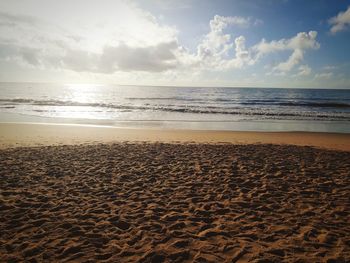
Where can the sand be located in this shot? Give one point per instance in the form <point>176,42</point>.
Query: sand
<point>26,134</point>
<point>159,202</point>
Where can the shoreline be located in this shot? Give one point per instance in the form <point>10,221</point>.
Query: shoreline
<point>206,124</point>
<point>45,134</point>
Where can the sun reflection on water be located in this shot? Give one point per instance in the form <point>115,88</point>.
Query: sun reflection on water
<point>82,99</point>
<point>82,93</point>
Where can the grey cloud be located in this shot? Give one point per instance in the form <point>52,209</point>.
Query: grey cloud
<point>31,55</point>
<point>35,29</point>
<point>27,54</point>
<point>61,50</point>
<point>76,60</point>
<point>6,24</point>
<point>122,58</point>
<point>7,51</point>
<point>7,19</point>
<point>125,58</point>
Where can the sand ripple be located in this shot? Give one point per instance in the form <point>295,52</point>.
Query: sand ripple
<point>174,203</point>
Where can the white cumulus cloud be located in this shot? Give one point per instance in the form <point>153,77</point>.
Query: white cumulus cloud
<point>214,50</point>
<point>218,51</point>
<point>295,58</point>
<point>340,22</point>
<point>297,44</point>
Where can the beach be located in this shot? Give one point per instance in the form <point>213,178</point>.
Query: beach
<point>129,195</point>
<point>175,132</point>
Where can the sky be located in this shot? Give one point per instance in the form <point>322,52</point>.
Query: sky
<point>235,43</point>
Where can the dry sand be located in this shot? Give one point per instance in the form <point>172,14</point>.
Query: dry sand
<point>155,202</point>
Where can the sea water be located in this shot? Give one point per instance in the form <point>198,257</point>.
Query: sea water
<point>204,108</point>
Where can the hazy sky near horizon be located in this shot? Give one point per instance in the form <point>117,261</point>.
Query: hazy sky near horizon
<point>269,43</point>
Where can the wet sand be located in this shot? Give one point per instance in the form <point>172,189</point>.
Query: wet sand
<point>26,134</point>
<point>158,202</point>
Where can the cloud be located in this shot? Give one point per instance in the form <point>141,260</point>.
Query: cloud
<point>113,58</point>
<point>340,22</point>
<point>151,59</point>
<point>21,53</point>
<point>140,43</point>
<point>214,49</point>
<point>241,51</point>
<point>329,67</point>
<point>242,54</point>
<point>324,75</point>
<point>295,58</point>
<point>103,48</point>
<point>170,4</point>
<point>297,44</point>
<point>304,70</point>
<point>215,43</point>
<point>302,41</point>
<point>7,19</point>
<point>218,23</point>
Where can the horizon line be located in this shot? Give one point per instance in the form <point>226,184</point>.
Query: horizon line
<point>171,86</point>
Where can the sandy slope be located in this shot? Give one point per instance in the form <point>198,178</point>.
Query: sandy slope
<point>174,203</point>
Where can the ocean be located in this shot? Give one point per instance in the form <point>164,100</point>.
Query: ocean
<point>198,108</point>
